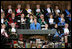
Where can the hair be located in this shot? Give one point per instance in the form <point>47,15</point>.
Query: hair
<point>62,14</point>
<point>30,14</point>
<point>13,12</point>
<point>55,6</point>
<point>35,18</point>
<point>9,5</point>
<point>3,14</point>
<point>18,4</point>
<point>41,14</point>
<point>50,14</point>
<point>66,24</point>
<point>3,24</point>
<point>27,5</point>
<point>37,4</point>
<point>12,23</point>
<point>49,4</point>
<point>23,14</point>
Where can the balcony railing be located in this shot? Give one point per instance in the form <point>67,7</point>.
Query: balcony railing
<point>28,31</point>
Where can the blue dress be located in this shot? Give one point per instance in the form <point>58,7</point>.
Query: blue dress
<point>33,27</point>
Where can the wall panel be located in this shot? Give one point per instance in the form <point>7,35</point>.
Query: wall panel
<point>62,4</point>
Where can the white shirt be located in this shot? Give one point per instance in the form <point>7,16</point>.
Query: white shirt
<point>3,32</point>
<point>9,10</point>
<point>2,20</point>
<point>18,11</point>
<point>66,30</point>
<point>37,10</point>
<point>18,20</point>
<point>44,29</point>
<point>2,10</point>
<point>51,21</point>
<point>13,18</point>
<point>48,9</point>
<point>61,20</point>
<point>13,30</point>
<point>29,10</point>
<point>58,11</point>
<point>42,25</point>
<point>31,20</point>
<point>22,19</point>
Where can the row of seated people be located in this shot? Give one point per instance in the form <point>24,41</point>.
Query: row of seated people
<point>26,22</point>
<point>37,11</point>
<point>59,35</point>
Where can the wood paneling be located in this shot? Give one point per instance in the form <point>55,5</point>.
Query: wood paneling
<point>62,4</point>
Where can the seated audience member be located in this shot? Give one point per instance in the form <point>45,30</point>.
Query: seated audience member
<point>59,33</point>
<point>23,21</point>
<point>67,11</point>
<point>66,33</point>
<point>66,30</point>
<point>38,11</point>
<point>57,13</point>
<point>35,25</point>
<point>12,31</point>
<point>67,14</point>
<point>3,31</point>
<point>2,10</point>
<point>57,10</point>
<point>56,37</point>
<point>12,19</point>
<point>61,20</point>
<point>46,27</point>
<point>51,20</point>
<point>41,17</point>
<point>69,18</point>
<point>18,11</point>
<point>30,20</point>
<point>56,27</point>
<point>3,15</point>
<point>48,10</point>
<point>4,35</point>
<point>28,10</point>
<point>4,20</point>
<point>43,22</point>
<point>9,11</point>
<point>69,22</point>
